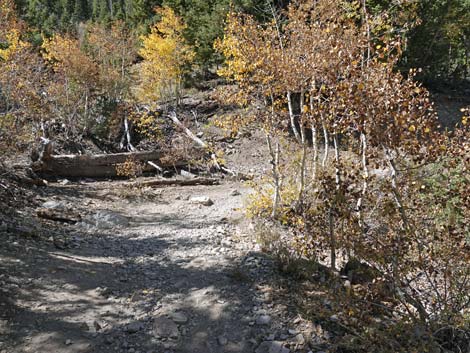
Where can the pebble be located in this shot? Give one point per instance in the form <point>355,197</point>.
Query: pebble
<point>201,200</point>
<point>134,327</point>
<point>165,328</point>
<point>300,339</point>
<point>222,340</point>
<point>272,347</point>
<point>271,337</point>
<point>179,317</point>
<point>334,318</point>
<point>263,320</point>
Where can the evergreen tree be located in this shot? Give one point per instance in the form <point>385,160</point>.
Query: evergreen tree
<point>80,11</point>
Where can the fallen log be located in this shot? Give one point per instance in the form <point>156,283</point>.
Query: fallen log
<point>178,182</point>
<point>59,215</point>
<point>200,143</point>
<point>99,165</point>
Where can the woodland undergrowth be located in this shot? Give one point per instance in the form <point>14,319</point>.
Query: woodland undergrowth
<point>363,178</point>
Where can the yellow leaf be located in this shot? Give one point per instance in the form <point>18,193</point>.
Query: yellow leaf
<point>412,128</point>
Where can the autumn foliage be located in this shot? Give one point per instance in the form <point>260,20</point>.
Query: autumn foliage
<point>166,57</point>
<point>101,82</point>
<point>360,168</point>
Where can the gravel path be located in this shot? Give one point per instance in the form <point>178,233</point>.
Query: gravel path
<point>177,275</point>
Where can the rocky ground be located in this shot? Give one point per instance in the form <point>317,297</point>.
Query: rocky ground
<point>154,270</point>
<point>149,270</point>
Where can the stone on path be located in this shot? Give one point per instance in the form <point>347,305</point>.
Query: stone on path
<point>179,317</point>
<point>272,347</point>
<point>54,205</point>
<point>201,200</point>
<point>106,220</point>
<point>222,340</point>
<point>166,328</point>
<point>263,320</point>
<point>134,327</point>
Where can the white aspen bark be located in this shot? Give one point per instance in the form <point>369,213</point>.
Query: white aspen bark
<point>395,191</point>
<point>330,212</point>
<point>366,19</point>
<point>313,127</point>
<point>337,170</point>
<point>128,134</point>
<point>156,166</point>
<point>278,30</point>
<point>401,211</point>
<point>365,176</point>
<point>196,139</point>
<point>325,143</point>
<point>292,116</point>
<point>86,105</point>
<point>188,132</point>
<point>304,149</point>
<point>315,151</point>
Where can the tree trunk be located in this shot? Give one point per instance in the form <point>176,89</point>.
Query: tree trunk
<point>95,166</point>
<point>292,116</point>
<point>325,143</point>
<point>276,177</point>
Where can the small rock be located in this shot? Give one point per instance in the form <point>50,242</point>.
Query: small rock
<point>272,347</point>
<point>293,332</point>
<point>263,320</point>
<point>165,328</point>
<point>133,327</point>
<point>68,342</point>
<point>235,193</point>
<point>52,204</point>
<point>271,337</point>
<point>334,318</point>
<point>96,325</point>
<point>179,317</point>
<point>300,339</point>
<point>201,200</point>
<point>222,340</point>
<point>84,326</point>
<point>105,220</point>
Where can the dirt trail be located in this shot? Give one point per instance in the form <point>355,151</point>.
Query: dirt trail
<point>180,277</point>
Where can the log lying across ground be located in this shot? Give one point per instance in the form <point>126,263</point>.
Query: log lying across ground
<point>96,166</point>
<point>179,182</point>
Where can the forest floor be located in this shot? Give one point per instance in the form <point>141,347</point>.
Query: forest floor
<point>146,270</point>
<point>150,270</point>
